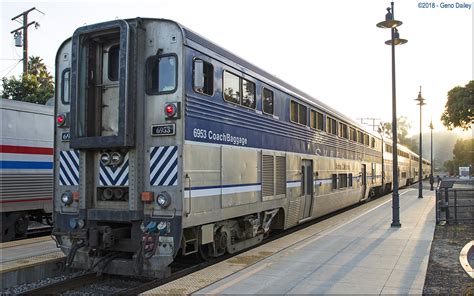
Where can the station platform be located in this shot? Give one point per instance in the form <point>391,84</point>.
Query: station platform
<point>28,260</point>
<point>356,252</point>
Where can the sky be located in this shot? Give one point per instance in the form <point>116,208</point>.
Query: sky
<point>331,50</point>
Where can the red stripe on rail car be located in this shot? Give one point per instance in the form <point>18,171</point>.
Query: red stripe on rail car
<point>25,200</point>
<point>26,150</point>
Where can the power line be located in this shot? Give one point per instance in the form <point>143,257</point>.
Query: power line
<point>12,68</point>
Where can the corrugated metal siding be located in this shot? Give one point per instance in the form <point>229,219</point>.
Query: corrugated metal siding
<point>280,175</point>
<point>267,175</point>
<point>19,186</point>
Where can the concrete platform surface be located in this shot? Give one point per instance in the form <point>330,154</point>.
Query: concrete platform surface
<point>361,256</point>
<point>26,248</point>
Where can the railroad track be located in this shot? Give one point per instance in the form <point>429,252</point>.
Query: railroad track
<point>91,283</point>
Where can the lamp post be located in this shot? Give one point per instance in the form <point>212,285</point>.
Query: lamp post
<point>392,24</point>
<point>431,171</point>
<point>421,102</point>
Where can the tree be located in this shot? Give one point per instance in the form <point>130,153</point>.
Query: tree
<point>458,111</point>
<point>35,87</point>
<point>403,126</point>
<point>463,156</point>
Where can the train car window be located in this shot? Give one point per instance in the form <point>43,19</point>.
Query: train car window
<point>203,79</point>
<point>331,125</point>
<point>366,140</point>
<point>298,113</point>
<point>312,119</point>
<point>316,120</point>
<point>65,86</point>
<point>353,134</point>
<point>343,131</point>
<point>342,180</point>
<point>302,114</point>
<point>360,137</point>
<point>162,74</point>
<point>294,111</point>
<point>231,87</point>
<point>267,101</point>
<point>334,181</point>
<point>248,94</point>
<point>113,63</point>
<point>349,180</point>
<point>319,121</point>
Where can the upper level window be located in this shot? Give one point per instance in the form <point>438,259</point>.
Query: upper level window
<point>162,74</point>
<point>203,79</point>
<point>366,140</point>
<point>231,87</point>
<point>298,113</point>
<point>248,94</point>
<point>316,120</point>
<point>113,63</point>
<point>267,101</point>
<point>360,137</point>
<point>343,130</point>
<point>238,90</point>
<point>353,134</point>
<point>331,125</point>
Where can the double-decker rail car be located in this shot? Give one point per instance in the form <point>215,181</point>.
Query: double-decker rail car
<point>166,143</point>
<point>26,166</point>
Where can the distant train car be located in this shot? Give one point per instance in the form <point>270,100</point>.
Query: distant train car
<point>166,143</point>
<point>26,165</point>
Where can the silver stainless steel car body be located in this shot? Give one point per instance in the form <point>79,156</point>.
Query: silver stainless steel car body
<point>170,147</point>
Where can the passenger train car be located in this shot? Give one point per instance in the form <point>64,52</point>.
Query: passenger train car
<point>167,143</point>
<point>26,166</point>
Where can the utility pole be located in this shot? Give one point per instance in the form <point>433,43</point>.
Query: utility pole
<point>24,31</point>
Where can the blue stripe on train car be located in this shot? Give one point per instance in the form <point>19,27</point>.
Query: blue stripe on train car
<point>26,165</point>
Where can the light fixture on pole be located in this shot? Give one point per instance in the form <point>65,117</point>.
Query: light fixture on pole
<point>421,102</point>
<point>391,23</point>
<point>431,164</point>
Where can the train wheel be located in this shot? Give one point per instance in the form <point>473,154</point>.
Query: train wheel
<point>204,252</point>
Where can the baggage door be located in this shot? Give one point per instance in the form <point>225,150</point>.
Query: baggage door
<point>307,186</point>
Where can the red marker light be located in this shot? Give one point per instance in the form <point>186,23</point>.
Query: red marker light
<point>61,120</point>
<point>170,110</point>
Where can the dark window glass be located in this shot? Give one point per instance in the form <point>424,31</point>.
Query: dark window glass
<point>267,101</point>
<point>231,88</point>
<point>334,181</point>
<point>331,126</point>
<point>343,131</point>
<point>162,74</point>
<point>349,179</point>
<point>302,114</point>
<point>248,94</point>
<point>65,84</point>
<point>319,121</point>
<point>312,119</point>
<point>207,76</point>
<point>294,111</point>
<point>360,137</point>
<point>342,180</point>
<point>113,63</point>
<point>353,134</point>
